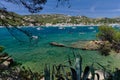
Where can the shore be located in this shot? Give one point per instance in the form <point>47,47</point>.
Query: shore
<point>67,25</point>
<point>58,25</point>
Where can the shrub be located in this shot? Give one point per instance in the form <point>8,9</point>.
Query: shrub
<point>116,41</point>
<point>106,33</point>
<point>76,73</point>
<point>1,49</point>
<point>105,48</point>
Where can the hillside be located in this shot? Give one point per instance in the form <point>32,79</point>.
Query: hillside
<point>10,18</point>
<point>13,19</point>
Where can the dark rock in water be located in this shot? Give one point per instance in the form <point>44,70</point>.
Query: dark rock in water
<point>57,44</point>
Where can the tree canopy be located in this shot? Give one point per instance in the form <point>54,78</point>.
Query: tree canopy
<point>34,6</point>
<point>110,34</point>
<point>106,33</point>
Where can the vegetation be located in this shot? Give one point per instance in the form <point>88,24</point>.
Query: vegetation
<point>1,49</point>
<point>13,19</point>
<point>72,71</point>
<point>17,73</point>
<point>111,39</point>
<point>11,70</point>
<point>77,73</point>
<point>116,42</point>
<point>105,48</point>
<point>106,33</point>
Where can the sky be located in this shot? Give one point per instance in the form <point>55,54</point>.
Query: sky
<point>89,8</point>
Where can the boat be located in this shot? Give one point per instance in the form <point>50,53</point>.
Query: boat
<point>39,28</point>
<point>73,27</point>
<point>61,28</point>
<point>35,37</point>
<point>91,27</point>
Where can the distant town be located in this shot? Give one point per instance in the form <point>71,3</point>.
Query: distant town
<point>14,19</point>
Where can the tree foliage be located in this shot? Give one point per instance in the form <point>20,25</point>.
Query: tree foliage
<point>106,33</point>
<point>1,49</point>
<point>105,48</point>
<point>35,6</point>
<point>116,41</point>
<point>116,37</point>
<point>110,34</point>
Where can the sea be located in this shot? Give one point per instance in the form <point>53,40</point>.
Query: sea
<point>35,54</point>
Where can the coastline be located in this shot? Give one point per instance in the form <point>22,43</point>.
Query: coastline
<point>66,25</point>
<point>58,25</point>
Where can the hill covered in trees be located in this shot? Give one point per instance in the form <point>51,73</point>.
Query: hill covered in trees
<point>13,19</point>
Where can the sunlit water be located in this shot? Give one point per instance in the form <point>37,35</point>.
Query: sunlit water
<point>36,56</point>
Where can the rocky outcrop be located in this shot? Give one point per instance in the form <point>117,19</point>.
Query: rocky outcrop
<point>83,45</point>
<point>5,61</point>
<point>92,45</point>
<point>86,45</point>
<point>57,44</point>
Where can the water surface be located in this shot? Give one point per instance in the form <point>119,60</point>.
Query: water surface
<point>35,56</point>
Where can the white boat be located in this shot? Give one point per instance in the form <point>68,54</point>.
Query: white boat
<point>73,27</point>
<point>35,37</point>
<point>61,28</point>
<point>39,28</point>
<point>91,27</point>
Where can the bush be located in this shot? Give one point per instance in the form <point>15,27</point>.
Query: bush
<point>106,33</point>
<point>116,42</point>
<point>105,48</point>
<point>17,73</point>
<point>1,49</point>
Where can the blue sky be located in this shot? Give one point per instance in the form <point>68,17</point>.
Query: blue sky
<point>90,8</point>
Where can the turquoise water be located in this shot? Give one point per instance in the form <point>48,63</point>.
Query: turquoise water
<point>35,56</point>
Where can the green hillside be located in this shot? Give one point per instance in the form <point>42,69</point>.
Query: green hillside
<point>13,19</point>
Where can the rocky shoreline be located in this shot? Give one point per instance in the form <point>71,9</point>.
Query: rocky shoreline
<point>88,45</point>
<point>5,60</point>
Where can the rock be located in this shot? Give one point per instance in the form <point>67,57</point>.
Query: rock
<point>83,45</point>
<point>92,45</point>
<point>42,78</point>
<point>86,45</point>
<point>101,75</point>
<point>57,44</point>
<point>6,61</point>
<point>77,45</point>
